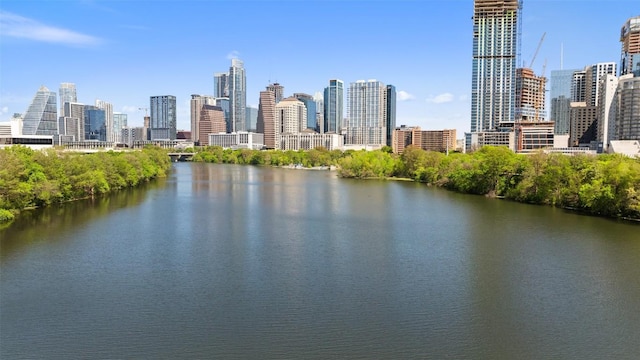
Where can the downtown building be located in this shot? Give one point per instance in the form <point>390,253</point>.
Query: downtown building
<point>163,118</point>
<point>428,140</point>
<point>211,122</point>
<point>41,118</point>
<point>561,81</point>
<point>196,104</point>
<point>630,39</point>
<point>266,122</point>
<point>366,123</point>
<point>237,96</point>
<point>493,92</point>
<point>333,107</point>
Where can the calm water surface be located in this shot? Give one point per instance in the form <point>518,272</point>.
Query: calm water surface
<point>241,262</point>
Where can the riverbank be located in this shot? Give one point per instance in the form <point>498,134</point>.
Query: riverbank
<point>33,179</point>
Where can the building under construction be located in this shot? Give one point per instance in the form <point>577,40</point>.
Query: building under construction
<point>530,95</point>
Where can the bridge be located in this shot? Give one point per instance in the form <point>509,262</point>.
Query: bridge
<point>181,156</point>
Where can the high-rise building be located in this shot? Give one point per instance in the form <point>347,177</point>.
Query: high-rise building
<point>211,122</point>
<point>71,122</point>
<point>319,99</point>
<point>560,99</point>
<point>197,101</point>
<point>606,110</point>
<point>366,113</point>
<point>41,117</point>
<point>252,119</point>
<point>291,117</point>
<point>390,113</point>
<point>67,93</point>
<point>530,96</point>
<point>163,117</point>
<point>237,95</point>
<point>310,104</point>
<point>630,39</point>
<point>221,85</point>
<point>493,95</point>
<point>119,123</point>
<point>224,104</point>
<point>266,123</point>
<point>108,111</point>
<point>333,106</point>
<point>583,109</point>
<point>95,123</point>
<point>628,111</point>
<point>278,91</point>
<point>429,140</point>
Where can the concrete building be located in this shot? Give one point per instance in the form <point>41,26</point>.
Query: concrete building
<point>239,140</point>
<point>530,96</point>
<point>606,111</point>
<point>266,123</point>
<point>533,136</point>
<point>630,39</point>
<point>11,134</point>
<point>130,135</point>
<point>489,138</point>
<point>428,140</point>
<point>582,126</point>
<point>291,116</point>
<point>163,117</point>
<point>71,123</point>
<point>366,113</point>
<point>310,140</point>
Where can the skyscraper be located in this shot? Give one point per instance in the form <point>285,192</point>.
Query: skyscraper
<point>197,102</point>
<point>333,106</point>
<point>266,122</point>
<point>493,96</point>
<point>278,91</point>
<point>628,114</point>
<point>391,113</point>
<point>366,113</point>
<point>237,95</point>
<point>41,117</point>
<point>221,84</point>
<point>108,113</point>
<point>252,118</point>
<point>163,117</point>
<point>291,117</point>
<point>95,123</point>
<point>119,123</point>
<point>67,93</point>
<point>630,39</point>
<point>560,99</point>
<point>310,104</point>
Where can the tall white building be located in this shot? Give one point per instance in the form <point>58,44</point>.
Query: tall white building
<point>366,113</point>
<point>606,112</point>
<point>237,95</point>
<point>67,93</point>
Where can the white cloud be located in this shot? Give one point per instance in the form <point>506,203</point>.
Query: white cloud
<point>129,109</point>
<point>404,96</point>
<point>440,99</point>
<point>4,110</point>
<point>16,26</point>
<point>233,55</point>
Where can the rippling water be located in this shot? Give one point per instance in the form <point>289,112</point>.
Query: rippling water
<point>241,262</point>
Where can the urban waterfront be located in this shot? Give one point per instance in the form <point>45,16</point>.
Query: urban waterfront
<point>237,262</point>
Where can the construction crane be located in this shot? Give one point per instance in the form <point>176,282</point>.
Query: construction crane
<point>145,111</point>
<point>537,49</point>
<point>541,91</point>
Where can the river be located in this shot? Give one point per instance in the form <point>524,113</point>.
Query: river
<point>244,262</point>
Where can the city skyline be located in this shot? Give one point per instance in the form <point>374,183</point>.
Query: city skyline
<point>424,49</point>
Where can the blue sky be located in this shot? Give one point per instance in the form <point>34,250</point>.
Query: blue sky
<point>126,51</point>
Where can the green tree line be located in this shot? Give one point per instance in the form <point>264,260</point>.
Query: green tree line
<point>31,178</point>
